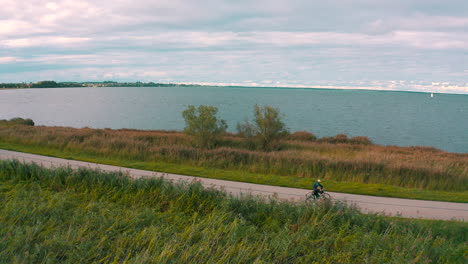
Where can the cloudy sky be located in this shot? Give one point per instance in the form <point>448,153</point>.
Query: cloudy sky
<point>416,45</point>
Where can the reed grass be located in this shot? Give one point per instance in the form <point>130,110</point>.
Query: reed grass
<point>407,167</point>
<point>85,216</point>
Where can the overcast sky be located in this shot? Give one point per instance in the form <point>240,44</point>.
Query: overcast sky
<point>416,45</point>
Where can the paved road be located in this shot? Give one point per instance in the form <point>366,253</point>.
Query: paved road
<point>368,204</point>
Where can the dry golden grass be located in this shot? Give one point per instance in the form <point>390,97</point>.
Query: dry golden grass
<point>415,167</point>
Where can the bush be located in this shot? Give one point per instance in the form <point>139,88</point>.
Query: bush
<point>360,140</point>
<point>203,125</point>
<point>340,138</point>
<point>343,139</point>
<point>302,136</point>
<point>424,149</point>
<point>267,130</point>
<point>17,121</point>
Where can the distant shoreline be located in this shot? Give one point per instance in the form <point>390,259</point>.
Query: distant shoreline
<point>174,85</point>
<point>53,84</point>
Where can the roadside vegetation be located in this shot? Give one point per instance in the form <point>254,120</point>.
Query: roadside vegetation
<point>203,126</point>
<point>351,165</point>
<point>85,216</point>
<point>267,130</point>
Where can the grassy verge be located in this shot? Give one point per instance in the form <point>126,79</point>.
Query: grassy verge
<point>244,176</point>
<point>84,216</point>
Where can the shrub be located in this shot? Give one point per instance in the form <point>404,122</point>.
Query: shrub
<point>425,149</point>
<point>267,130</point>
<point>17,121</point>
<point>340,138</point>
<point>302,136</point>
<point>203,125</point>
<point>343,139</point>
<point>361,140</point>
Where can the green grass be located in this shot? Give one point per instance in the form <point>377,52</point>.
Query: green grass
<point>243,176</point>
<point>84,216</point>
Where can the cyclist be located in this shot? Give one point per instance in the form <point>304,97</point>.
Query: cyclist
<point>318,188</point>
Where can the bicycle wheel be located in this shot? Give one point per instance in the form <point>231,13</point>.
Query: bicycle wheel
<point>309,198</point>
<point>326,196</point>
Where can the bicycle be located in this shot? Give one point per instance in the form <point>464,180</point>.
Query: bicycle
<point>322,196</point>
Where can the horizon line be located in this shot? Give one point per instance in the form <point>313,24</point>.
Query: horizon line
<point>422,88</point>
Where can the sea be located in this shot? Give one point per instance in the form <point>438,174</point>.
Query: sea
<point>386,117</point>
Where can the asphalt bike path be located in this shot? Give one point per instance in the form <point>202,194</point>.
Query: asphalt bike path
<point>368,204</point>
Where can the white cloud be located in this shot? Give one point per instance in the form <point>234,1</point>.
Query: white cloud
<point>418,22</point>
<point>18,27</point>
<point>423,40</point>
<point>42,41</point>
<point>52,6</point>
<point>336,42</point>
<point>92,73</point>
<point>7,59</point>
<point>252,40</point>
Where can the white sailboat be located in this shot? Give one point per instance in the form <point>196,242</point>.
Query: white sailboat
<point>432,95</point>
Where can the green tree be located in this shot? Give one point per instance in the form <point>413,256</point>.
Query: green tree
<point>17,121</point>
<point>202,124</point>
<point>267,130</point>
<point>45,84</point>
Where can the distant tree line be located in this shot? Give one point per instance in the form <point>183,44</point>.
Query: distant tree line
<point>17,121</point>
<point>54,84</point>
<point>15,85</point>
<point>135,84</point>
<point>42,84</point>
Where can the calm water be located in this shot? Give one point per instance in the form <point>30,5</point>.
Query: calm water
<point>389,118</point>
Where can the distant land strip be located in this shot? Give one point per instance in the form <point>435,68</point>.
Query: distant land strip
<point>54,84</point>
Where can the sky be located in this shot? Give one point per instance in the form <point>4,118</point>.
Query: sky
<point>409,45</point>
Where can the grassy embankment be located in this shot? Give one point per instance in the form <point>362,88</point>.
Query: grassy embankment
<point>84,216</point>
<point>418,173</point>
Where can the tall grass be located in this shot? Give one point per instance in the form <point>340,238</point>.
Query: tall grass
<point>83,216</point>
<point>412,167</point>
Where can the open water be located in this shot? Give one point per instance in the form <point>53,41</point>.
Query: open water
<point>388,118</point>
